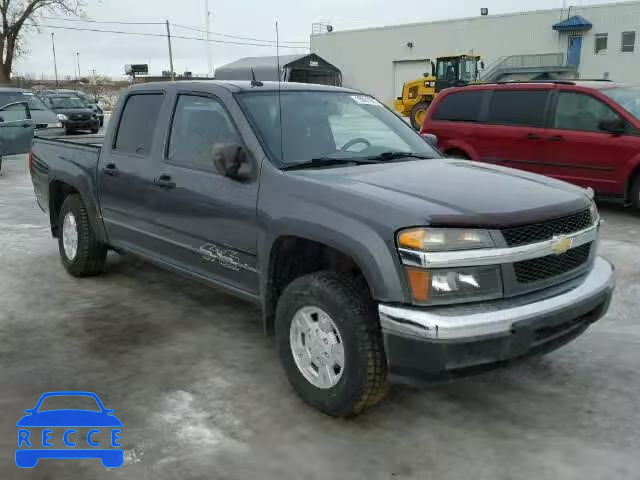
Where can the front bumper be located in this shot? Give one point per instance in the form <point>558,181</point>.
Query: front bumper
<point>90,124</point>
<point>457,340</point>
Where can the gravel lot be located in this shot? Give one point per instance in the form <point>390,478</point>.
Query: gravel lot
<point>201,394</point>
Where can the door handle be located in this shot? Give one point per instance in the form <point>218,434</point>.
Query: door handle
<point>557,138</point>
<point>532,136</point>
<point>111,170</point>
<point>164,181</point>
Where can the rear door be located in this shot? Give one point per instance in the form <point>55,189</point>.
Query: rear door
<point>125,172</point>
<point>512,128</point>
<point>578,151</point>
<point>16,129</point>
<point>206,220</point>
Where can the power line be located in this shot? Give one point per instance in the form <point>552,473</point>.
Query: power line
<point>98,21</point>
<point>232,36</point>
<point>81,20</point>
<point>143,34</point>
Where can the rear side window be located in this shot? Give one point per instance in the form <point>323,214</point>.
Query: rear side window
<point>518,107</point>
<point>138,122</point>
<point>460,107</point>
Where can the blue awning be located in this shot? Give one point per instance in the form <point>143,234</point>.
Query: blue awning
<point>573,23</point>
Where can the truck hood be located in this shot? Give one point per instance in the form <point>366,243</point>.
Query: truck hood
<point>449,192</point>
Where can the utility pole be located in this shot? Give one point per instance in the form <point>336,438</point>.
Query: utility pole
<point>79,71</point>
<point>208,38</point>
<point>55,65</point>
<point>173,75</point>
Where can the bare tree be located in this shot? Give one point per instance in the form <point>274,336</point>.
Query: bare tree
<point>17,16</point>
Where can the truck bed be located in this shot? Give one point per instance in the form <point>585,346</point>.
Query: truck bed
<point>88,140</point>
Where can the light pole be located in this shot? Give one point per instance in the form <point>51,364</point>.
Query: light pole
<point>55,65</point>
<point>78,58</point>
<point>207,13</point>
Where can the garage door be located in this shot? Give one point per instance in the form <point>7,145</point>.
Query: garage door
<point>405,71</point>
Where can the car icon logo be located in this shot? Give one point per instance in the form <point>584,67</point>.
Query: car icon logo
<point>40,428</point>
<point>561,244</point>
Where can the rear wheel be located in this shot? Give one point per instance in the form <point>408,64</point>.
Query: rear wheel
<point>635,193</point>
<point>458,154</point>
<point>81,253</point>
<point>418,114</point>
<point>330,344</point>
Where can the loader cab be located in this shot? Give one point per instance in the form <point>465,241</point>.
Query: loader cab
<point>456,71</point>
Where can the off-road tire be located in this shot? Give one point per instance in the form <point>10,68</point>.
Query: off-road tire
<point>91,253</point>
<point>414,112</point>
<point>364,379</point>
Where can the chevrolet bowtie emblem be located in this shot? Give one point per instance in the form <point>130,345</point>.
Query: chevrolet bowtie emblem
<point>561,244</point>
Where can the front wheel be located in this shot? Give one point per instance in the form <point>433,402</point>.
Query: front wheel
<point>418,114</point>
<point>81,253</point>
<point>330,344</point>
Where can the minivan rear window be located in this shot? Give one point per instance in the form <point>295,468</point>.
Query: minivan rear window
<point>518,107</point>
<point>460,106</point>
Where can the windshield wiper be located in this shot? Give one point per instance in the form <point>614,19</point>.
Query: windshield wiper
<point>385,156</point>
<point>328,161</point>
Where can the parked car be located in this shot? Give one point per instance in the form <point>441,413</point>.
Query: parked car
<point>583,132</point>
<point>371,256</point>
<point>46,121</point>
<point>16,129</point>
<point>74,113</point>
<point>88,99</point>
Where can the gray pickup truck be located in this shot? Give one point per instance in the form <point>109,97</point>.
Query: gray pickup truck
<point>372,257</point>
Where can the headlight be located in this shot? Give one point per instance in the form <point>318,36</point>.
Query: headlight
<point>429,84</point>
<point>450,285</point>
<point>444,239</point>
<point>62,117</point>
<point>456,285</point>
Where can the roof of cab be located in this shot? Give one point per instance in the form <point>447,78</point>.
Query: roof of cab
<point>237,86</point>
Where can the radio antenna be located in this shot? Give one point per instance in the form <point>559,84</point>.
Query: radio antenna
<point>279,89</point>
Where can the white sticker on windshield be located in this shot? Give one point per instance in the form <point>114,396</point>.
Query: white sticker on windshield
<point>364,100</point>
<point>28,94</point>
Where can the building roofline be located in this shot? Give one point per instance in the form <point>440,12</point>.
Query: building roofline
<point>573,9</point>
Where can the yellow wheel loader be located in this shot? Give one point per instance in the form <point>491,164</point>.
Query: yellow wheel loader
<point>417,95</point>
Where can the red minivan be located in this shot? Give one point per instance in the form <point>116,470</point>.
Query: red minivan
<point>583,132</point>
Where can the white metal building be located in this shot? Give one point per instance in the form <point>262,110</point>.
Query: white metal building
<point>600,41</point>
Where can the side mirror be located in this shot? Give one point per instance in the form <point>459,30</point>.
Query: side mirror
<point>233,161</point>
<point>481,65</point>
<point>615,126</point>
<point>431,139</point>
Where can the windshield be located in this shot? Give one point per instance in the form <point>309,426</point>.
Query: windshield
<point>65,102</point>
<point>627,97</point>
<point>11,97</point>
<point>325,124</point>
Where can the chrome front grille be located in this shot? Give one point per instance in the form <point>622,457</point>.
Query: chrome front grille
<point>538,232</point>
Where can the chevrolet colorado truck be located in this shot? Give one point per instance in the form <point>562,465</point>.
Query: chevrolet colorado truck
<point>373,258</point>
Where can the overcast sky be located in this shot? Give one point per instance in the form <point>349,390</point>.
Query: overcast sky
<point>107,53</point>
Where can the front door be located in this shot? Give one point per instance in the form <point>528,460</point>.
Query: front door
<point>206,218</point>
<point>574,50</point>
<point>578,151</point>
<point>16,129</point>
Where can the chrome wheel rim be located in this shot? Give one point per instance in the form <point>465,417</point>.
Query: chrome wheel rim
<point>316,346</point>
<point>70,236</point>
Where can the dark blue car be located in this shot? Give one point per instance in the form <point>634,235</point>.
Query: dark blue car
<point>30,449</point>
